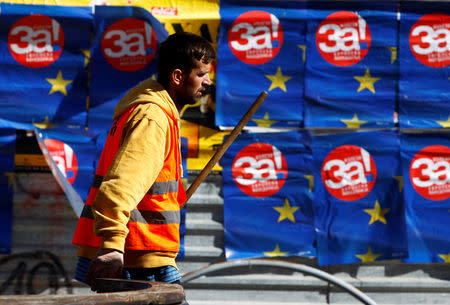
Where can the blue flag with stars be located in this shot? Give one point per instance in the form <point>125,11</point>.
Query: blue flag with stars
<point>267,189</point>
<point>350,73</point>
<point>426,171</point>
<point>424,55</point>
<point>124,52</point>
<point>7,149</point>
<point>358,206</point>
<point>261,47</point>
<point>44,59</point>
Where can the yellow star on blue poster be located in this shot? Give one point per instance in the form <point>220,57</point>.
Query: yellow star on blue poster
<point>87,56</point>
<point>354,122</point>
<point>286,211</point>
<point>45,124</point>
<point>278,80</point>
<point>10,178</point>
<point>276,252</point>
<point>58,83</point>
<point>310,179</point>
<point>393,51</point>
<point>400,182</point>
<point>445,257</point>
<point>264,122</point>
<point>377,213</point>
<point>366,82</point>
<point>444,124</point>
<point>303,47</point>
<point>368,257</point>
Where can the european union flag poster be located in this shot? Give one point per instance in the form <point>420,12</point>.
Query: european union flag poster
<point>267,190</point>
<point>261,48</point>
<point>351,71</point>
<point>358,205</point>
<point>424,55</point>
<point>75,155</point>
<point>124,52</point>
<point>44,54</point>
<point>426,171</point>
<point>7,150</point>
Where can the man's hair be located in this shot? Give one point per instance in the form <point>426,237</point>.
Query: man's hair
<point>182,51</point>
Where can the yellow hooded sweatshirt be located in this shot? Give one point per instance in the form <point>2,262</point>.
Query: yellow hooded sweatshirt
<point>144,145</point>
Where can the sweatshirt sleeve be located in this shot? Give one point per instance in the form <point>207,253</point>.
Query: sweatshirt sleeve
<point>133,171</point>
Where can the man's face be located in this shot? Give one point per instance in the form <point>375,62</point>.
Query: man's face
<point>195,82</point>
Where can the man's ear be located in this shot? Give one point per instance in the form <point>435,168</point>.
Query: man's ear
<point>177,77</point>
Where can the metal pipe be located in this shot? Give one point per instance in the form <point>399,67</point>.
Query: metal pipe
<point>358,294</point>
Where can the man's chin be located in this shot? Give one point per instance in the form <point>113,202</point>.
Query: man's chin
<point>194,100</point>
<point>191,101</point>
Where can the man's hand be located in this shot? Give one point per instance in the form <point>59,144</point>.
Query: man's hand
<point>107,264</point>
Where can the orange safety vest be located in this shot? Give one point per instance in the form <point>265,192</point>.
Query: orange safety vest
<point>154,224</point>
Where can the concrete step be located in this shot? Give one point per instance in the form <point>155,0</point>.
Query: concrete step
<point>197,225</point>
<point>202,240</point>
<point>299,281</point>
<point>207,199</point>
<point>205,252</point>
<point>237,297</point>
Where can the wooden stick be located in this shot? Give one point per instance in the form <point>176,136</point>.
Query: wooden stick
<point>223,148</point>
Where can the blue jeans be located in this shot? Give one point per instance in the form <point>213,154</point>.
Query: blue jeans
<point>168,274</point>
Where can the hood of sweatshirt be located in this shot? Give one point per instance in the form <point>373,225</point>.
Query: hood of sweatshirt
<point>147,91</point>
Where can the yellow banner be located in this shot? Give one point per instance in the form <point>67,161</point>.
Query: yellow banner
<point>202,144</point>
<point>54,2</point>
<point>164,10</point>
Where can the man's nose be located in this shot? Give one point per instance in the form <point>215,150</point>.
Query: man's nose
<point>207,80</point>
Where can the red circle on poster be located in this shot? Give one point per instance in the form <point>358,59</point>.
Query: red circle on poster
<point>260,170</point>
<point>36,41</point>
<point>429,40</point>
<point>349,172</point>
<point>64,157</point>
<point>429,172</point>
<point>255,37</point>
<point>129,44</point>
<point>343,38</point>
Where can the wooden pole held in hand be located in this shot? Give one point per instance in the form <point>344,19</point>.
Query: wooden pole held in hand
<point>222,149</point>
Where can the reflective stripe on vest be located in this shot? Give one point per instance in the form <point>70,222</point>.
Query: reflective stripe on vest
<point>154,223</point>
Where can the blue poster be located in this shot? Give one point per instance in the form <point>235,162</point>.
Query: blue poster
<point>267,189</point>
<point>124,52</point>
<point>72,156</point>
<point>426,171</point>
<point>424,85</point>
<point>261,47</point>
<point>351,71</point>
<point>7,150</point>
<point>44,54</point>
<point>184,154</point>
<point>358,206</point>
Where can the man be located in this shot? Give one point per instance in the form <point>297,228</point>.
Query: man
<point>129,227</point>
